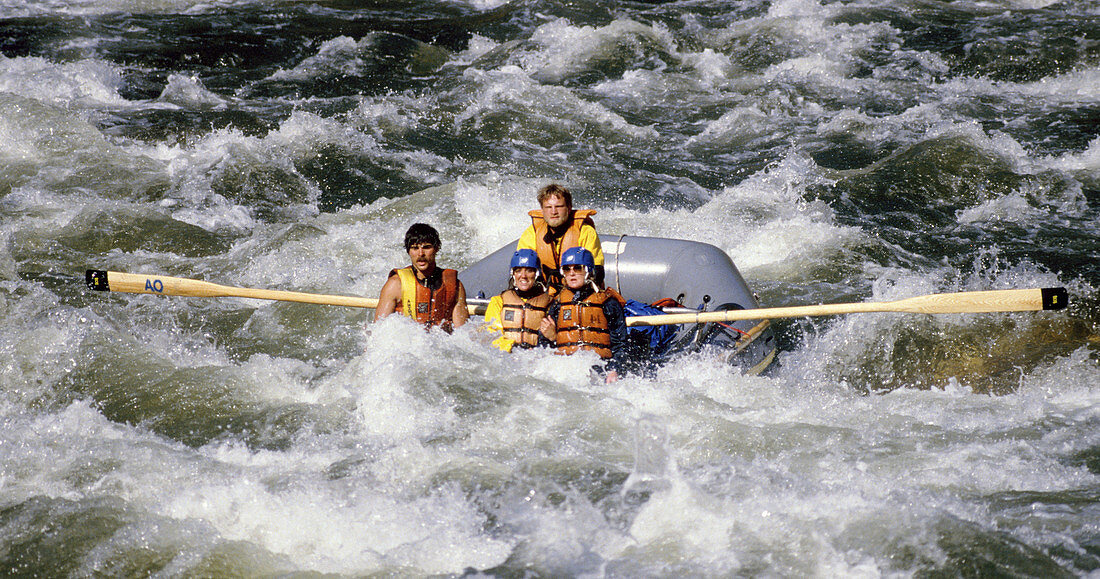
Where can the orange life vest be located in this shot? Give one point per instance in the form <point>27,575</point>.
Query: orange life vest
<point>520,319</point>
<point>431,307</point>
<point>550,247</point>
<point>582,325</point>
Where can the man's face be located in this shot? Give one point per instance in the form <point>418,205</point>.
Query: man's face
<point>573,275</point>
<point>555,211</point>
<point>423,257</point>
<point>523,278</point>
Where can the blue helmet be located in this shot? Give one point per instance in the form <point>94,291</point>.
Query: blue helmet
<point>525,258</point>
<point>578,256</point>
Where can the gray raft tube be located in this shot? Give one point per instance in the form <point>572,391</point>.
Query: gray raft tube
<point>698,276</point>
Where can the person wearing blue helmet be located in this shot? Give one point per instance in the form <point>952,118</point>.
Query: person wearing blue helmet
<point>517,312</point>
<point>584,317</point>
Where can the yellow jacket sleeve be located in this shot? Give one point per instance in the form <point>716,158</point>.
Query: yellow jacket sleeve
<point>527,240</point>
<point>493,325</point>
<point>589,240</point>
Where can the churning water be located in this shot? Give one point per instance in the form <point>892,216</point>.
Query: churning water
<point>837,151</point>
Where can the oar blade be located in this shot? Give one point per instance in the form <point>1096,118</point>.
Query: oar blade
<point>1055,298</point>
<point>1018,300</point>
<point>97,280</point>
<point>114,281</point>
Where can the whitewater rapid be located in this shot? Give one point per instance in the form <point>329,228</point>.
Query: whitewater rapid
<point>836,151</point>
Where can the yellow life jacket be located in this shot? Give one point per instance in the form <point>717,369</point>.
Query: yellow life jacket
<point>431,307</point>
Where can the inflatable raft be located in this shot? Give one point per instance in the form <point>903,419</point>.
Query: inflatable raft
<point>670,275</point>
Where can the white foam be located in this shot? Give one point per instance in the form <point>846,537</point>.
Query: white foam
<point>849,343</point>
<point>880,465</point>
<point>19,152</point>
<point>84,83</point>
<point>495,207</point>
<point>339,526</point>
<point>343,56</point>
<point>1014,4</point>
<point>1077,86</point>
<point>476,47</point>
<point>1032,203</point>
<point>1085,165</point>
<point>511,88</point>
<point>335,57</point>
<point>396,114</point>
<point>817,70</point>
<point>426,453</point>
<point>224,154</point>
<point>1013,207</point>
<point>8,271</point>
<point>737,127</point>
<point>647,90</point>
<point>766,221</point>
<point>36,338</point>
<point>711,66</point>
<point>483,4</point>
<point>692,521</point>
<point>342,529</point>
<point>802,9</point>
<point>22,8</point>
<point>188,91</point>
<point>792,467</point>
<point>568,49</point>
<point>859,126</point>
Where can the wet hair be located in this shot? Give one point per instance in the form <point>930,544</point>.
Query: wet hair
<point>555,190</point>
<point>421,233</point>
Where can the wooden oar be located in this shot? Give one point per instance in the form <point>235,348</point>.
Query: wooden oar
<point>1020,300</point>
<point>954,303</point>
<point>177,286</point>
<point>164,285</point>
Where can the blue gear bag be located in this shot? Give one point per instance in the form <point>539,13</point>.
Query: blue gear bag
<point>660,337</point>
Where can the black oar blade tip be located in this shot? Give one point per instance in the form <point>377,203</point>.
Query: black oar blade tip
<point>1055,298</point>
<point>97,280</point>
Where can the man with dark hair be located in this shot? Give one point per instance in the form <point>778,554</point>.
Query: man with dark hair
<point>556,227</point>
<point>423,291</point>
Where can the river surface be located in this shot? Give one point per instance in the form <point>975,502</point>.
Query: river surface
<point>837,151</point>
